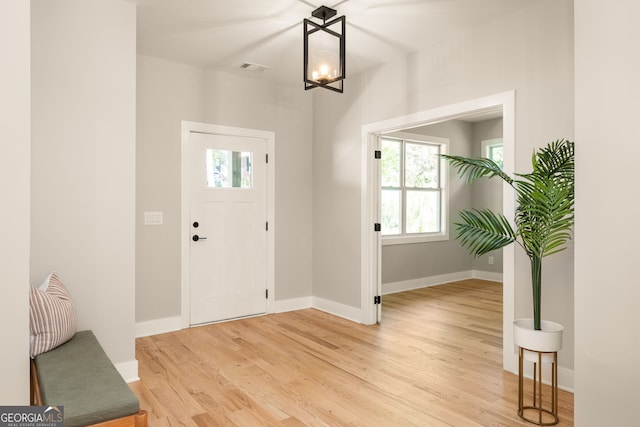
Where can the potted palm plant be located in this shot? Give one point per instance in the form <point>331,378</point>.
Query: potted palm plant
<point>543,222</point>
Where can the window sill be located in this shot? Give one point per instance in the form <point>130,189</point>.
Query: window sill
<point>409,239</point>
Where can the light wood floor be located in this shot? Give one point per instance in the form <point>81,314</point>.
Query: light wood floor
<point>434,361</point>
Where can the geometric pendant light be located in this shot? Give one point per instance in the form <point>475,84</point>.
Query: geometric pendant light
<point>324,50</point>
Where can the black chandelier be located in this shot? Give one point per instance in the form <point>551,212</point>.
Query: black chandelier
<point>324,50</point>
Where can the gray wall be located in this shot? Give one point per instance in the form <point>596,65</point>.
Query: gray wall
<point>169,93</point>
<point>487,193</point>
<point>486,60</point>
<point>418,260</point>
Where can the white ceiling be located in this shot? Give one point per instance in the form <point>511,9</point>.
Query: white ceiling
<point>223,34</point>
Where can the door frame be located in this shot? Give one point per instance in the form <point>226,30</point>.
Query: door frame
<point>187,128</point>
<point>371,250</point>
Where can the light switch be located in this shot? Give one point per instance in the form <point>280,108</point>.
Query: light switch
<point>153,218</point>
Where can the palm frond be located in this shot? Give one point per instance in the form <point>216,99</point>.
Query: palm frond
<point>473,169</point>
<point>483,231</point>
<point>544,215</point>
<point>556,159</point>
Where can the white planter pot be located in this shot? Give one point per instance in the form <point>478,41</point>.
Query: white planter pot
<point>546,340</point>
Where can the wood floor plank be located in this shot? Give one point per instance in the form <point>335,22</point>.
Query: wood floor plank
<point>435,360</point>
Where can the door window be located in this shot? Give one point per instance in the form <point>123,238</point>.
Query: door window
<point>229,169</point>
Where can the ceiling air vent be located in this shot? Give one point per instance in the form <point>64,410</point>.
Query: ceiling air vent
<point>250,66</point>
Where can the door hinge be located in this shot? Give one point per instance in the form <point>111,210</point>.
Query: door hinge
<point>377,227</point>
<point>267,225</point>
<point>267,158</point>
<point>266,293</point>
<point>376,299</point>
<point>377,154</point>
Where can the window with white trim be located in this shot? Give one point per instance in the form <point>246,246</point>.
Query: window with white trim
<point>413,194</point>
<point>494,149</point>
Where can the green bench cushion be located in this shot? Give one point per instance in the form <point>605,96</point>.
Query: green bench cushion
<point>79,376</point>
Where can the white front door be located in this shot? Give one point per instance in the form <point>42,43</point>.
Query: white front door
<point>228,227</point>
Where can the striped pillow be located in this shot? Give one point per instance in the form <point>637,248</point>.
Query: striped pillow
<point>52,316</point>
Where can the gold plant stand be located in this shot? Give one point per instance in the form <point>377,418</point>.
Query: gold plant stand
<point>536,413</point>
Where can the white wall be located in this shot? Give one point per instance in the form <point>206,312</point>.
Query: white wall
<point>14,209</point>
<point>531,51</point>
<point>169,93</point>
<point>607,292</point>
<point>83,162</point>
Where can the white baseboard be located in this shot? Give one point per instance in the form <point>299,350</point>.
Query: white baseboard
<point>565,379</point>
<point>486,275</point>
<point>341,310</point>
<point>128,370</point>
<point>425,282</point>
<point>293,304</point>
<point>565,376</point>
<point>158,326</point>
<point>337,309</point>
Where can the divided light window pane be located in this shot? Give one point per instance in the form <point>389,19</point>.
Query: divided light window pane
<point>229,169</point>
<point>391,180</point>
<point>423,212</point>
<point>421,165</point>
<point>494,149</point>
<point>391,165</point>
<point>496,153</point>
<point>391,211</point>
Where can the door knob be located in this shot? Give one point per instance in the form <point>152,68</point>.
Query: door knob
<point>195,238</point>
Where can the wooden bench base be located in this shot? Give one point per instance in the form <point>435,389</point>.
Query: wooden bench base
<point>34,386</point>
<point>135,420</point>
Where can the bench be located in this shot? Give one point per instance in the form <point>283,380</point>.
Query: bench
<point>79,376</point>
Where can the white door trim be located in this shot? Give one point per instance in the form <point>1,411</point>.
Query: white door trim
<point>370,241</point>
<point>185,232</point>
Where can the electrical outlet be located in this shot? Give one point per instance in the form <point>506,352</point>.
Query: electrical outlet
<point>490,260</point>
